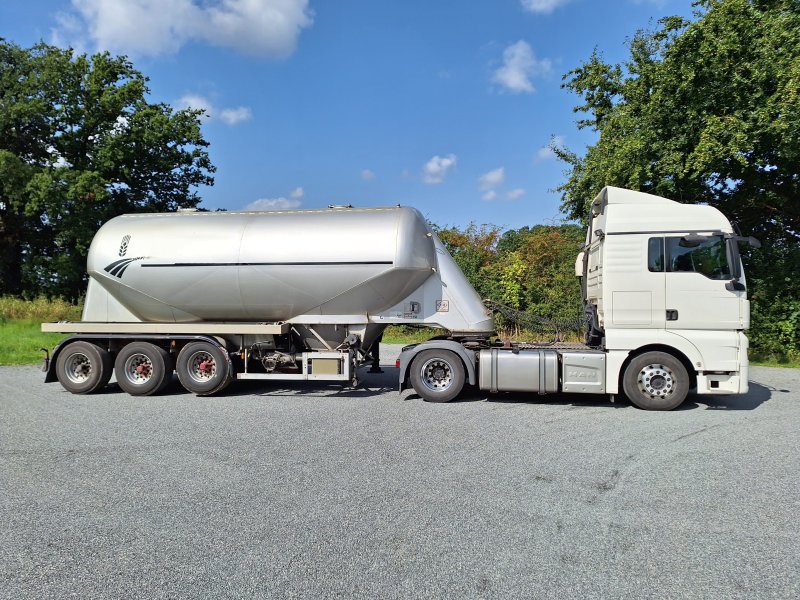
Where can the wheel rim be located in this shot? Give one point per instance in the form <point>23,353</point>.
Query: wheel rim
<point>138,368</point>
<point>437,374</point>
<point>202,366</point>
<point>657,381</point>
<point>78,368</point>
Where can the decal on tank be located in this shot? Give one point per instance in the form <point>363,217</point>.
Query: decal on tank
<point>123,247</point>
<point>117,268</point>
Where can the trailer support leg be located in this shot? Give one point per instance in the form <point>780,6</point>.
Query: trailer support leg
<point>375,354</point>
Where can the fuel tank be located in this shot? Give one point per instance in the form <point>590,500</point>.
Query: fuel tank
<point>257,266</point>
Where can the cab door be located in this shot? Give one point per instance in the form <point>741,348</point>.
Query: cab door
<point>699,290</point>
<point>636,289</point>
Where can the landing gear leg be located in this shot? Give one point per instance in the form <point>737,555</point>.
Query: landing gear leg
<point>375,354</point>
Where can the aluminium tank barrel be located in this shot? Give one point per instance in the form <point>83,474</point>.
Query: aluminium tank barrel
<point>261,266</point>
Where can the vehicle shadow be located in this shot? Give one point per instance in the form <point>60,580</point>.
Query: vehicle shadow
<point>369,384</point>
<point>755,397</point>
<point>556,399</point>
<point>376,384</point>
<point>473,394</point>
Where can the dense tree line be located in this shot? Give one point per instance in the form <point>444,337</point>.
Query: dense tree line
<point>80,144</point>
<point>531,270</point>
<point>708,111</point>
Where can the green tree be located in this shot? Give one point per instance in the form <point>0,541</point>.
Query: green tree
<point>705,111</point>
<point>547,287</point>
<point>531,269</point>
<point>80,144</point>
<point>472,249</point>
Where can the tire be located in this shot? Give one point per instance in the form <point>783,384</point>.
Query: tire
<point>83,367</point>
<point>437,375</point>
<point>203,368</point>
<point>656,381</point>
<point>142,368</point>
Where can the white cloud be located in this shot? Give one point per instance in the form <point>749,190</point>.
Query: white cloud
<point>234,116</point>
<point>488,182</point>
<point>492,179</point>
<point>437,167</point>
<point>542,6</point>
<point>229,116</point>
<point>282,203</point>
<point>367,175</point>
<point>546,152</point>
<point>69,32</point>
<point>152,27</point>
<point>519,66</point>
<point>196,102</point>
<point>273,204</point>
<point>515,194</point>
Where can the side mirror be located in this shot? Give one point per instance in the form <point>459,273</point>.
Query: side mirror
<point>579,264</point>
<point>750,241</point>
<point>693,240</point>
<point>735,286</point>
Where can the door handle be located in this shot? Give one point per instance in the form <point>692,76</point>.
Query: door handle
<point>672,314</point>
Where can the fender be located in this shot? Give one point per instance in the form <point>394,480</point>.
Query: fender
<point>408,354</point>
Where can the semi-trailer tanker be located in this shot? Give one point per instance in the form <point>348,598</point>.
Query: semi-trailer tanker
<point>307,294</point>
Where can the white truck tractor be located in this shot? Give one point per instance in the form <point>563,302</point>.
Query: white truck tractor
<point>306,295</point>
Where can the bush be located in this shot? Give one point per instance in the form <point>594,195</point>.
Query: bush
<point>40,309</point>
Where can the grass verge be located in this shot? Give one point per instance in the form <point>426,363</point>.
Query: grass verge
<point>403,334</point>
<point>20,334</point>
<point>773,361</point>
<point>21,340</point>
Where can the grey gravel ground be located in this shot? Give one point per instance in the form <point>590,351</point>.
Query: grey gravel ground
<point>315,491</point>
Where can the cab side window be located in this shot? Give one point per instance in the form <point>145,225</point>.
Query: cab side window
<point>655,255</point>
<point>707,256</point>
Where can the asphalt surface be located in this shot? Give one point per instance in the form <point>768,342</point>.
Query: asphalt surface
<point>315,491</point>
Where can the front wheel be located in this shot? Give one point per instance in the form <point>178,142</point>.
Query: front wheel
<point>656,381</point>
<point>437,375</point>
<point>203,368</point>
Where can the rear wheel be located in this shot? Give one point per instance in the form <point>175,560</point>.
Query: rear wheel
<point>203,368</point>
<point>437,375</point>
<point>142,368</point>
<point>656,381</point>
<point>83,368</point>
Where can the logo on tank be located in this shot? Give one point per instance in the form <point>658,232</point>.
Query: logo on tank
<point>123,246</point>
<point>117,268</point>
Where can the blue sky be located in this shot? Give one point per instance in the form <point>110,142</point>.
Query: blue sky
<point>444,105</point>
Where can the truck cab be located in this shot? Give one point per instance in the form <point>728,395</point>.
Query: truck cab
<point>658,275</point>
